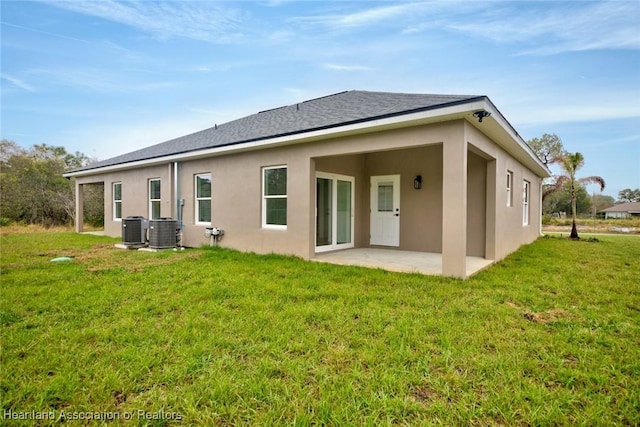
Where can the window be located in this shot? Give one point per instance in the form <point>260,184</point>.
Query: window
<point>525,202</point>
<point>385,197</point>
<point>154,198</point>
<point>274,197</point>
<point>334,211</point>
<point>509,185</point>
<point>203,198</point>
<point>117,201</point>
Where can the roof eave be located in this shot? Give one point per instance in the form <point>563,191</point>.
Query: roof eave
<point>506,134</point>
<point>441,113</point>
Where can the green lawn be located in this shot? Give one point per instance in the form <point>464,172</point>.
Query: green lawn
<point>551,335</point>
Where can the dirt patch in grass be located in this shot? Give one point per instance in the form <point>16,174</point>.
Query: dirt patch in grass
<point>548,316</point>
<point>571,360</point>
<point>544,317</point>
<point>119,397</point>
<point>423,394</point>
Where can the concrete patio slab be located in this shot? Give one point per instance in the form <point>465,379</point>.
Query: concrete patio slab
<point>397,260</point>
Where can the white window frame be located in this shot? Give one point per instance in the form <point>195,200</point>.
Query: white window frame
<point>334,217</point>
<point>151,201</point>
<point>509,188</point>
<point>116,201</point>
<point>279,196</point>
<point>526,194</point>
<point>201,199</point>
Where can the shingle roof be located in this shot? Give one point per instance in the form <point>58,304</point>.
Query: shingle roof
<point>624,207</point>
<point>321,113</point>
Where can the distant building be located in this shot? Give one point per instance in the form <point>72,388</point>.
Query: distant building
<point>623,210</point>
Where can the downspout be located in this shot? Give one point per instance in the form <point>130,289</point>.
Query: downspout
<point>179,202</point>
<point>540,208</point>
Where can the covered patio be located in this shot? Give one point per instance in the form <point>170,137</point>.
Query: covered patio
<point>397,260</point>
<point>421,209</point>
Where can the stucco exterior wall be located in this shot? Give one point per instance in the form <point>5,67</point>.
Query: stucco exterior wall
<point>505,229</point>
<point>420,210</point>
<point>236,203</point>
<point>135,194</point>
<point>463,202</point>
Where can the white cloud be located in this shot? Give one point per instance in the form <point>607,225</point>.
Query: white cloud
<point>342,67</point>
<point>560,27</point>
<point>97,80</point>
<point>550,110</point>
<point>48,33</point>
<point>544,27</point>
<point>275,3</point>
<point>206,21</point>
<point>18,82</point>
<point>218,67</point>
<point>280,36</point>
<point>360,18</point>
<point>407,17</point>
<point>371,16</point>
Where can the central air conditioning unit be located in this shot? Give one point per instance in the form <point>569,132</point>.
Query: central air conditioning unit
<point>134,230</point>
<point>163,233</point>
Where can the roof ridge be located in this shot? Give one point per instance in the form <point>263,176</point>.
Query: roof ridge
<point>440,95</point>
<point>305,101</point>
<point>327,96</point>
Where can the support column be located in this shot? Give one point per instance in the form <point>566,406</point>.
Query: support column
<point>79,207</point>
<point>454,206</point>
<point>311,218</point>
<point>491,225</point>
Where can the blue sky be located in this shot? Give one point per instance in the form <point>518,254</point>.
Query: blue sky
<point>107,77</point>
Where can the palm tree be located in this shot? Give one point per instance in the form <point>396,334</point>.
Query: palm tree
<point>570,163</point>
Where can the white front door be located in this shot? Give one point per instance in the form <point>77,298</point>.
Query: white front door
<point>385,210</point>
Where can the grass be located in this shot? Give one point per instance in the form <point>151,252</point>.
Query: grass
<point>550,335</point>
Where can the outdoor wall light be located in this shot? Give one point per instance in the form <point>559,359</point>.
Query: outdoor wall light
<point>481,115</point>
<point>417,182</point>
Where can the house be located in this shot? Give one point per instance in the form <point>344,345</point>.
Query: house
<point>623,210</point>
<point>440,174</point>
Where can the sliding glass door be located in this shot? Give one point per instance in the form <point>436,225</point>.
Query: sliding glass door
<point>334,211</point>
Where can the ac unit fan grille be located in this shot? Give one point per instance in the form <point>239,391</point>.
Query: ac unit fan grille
<point>133,231</point>
<point>162,233</point>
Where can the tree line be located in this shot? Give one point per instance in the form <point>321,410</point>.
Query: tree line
<point>33,190</point>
